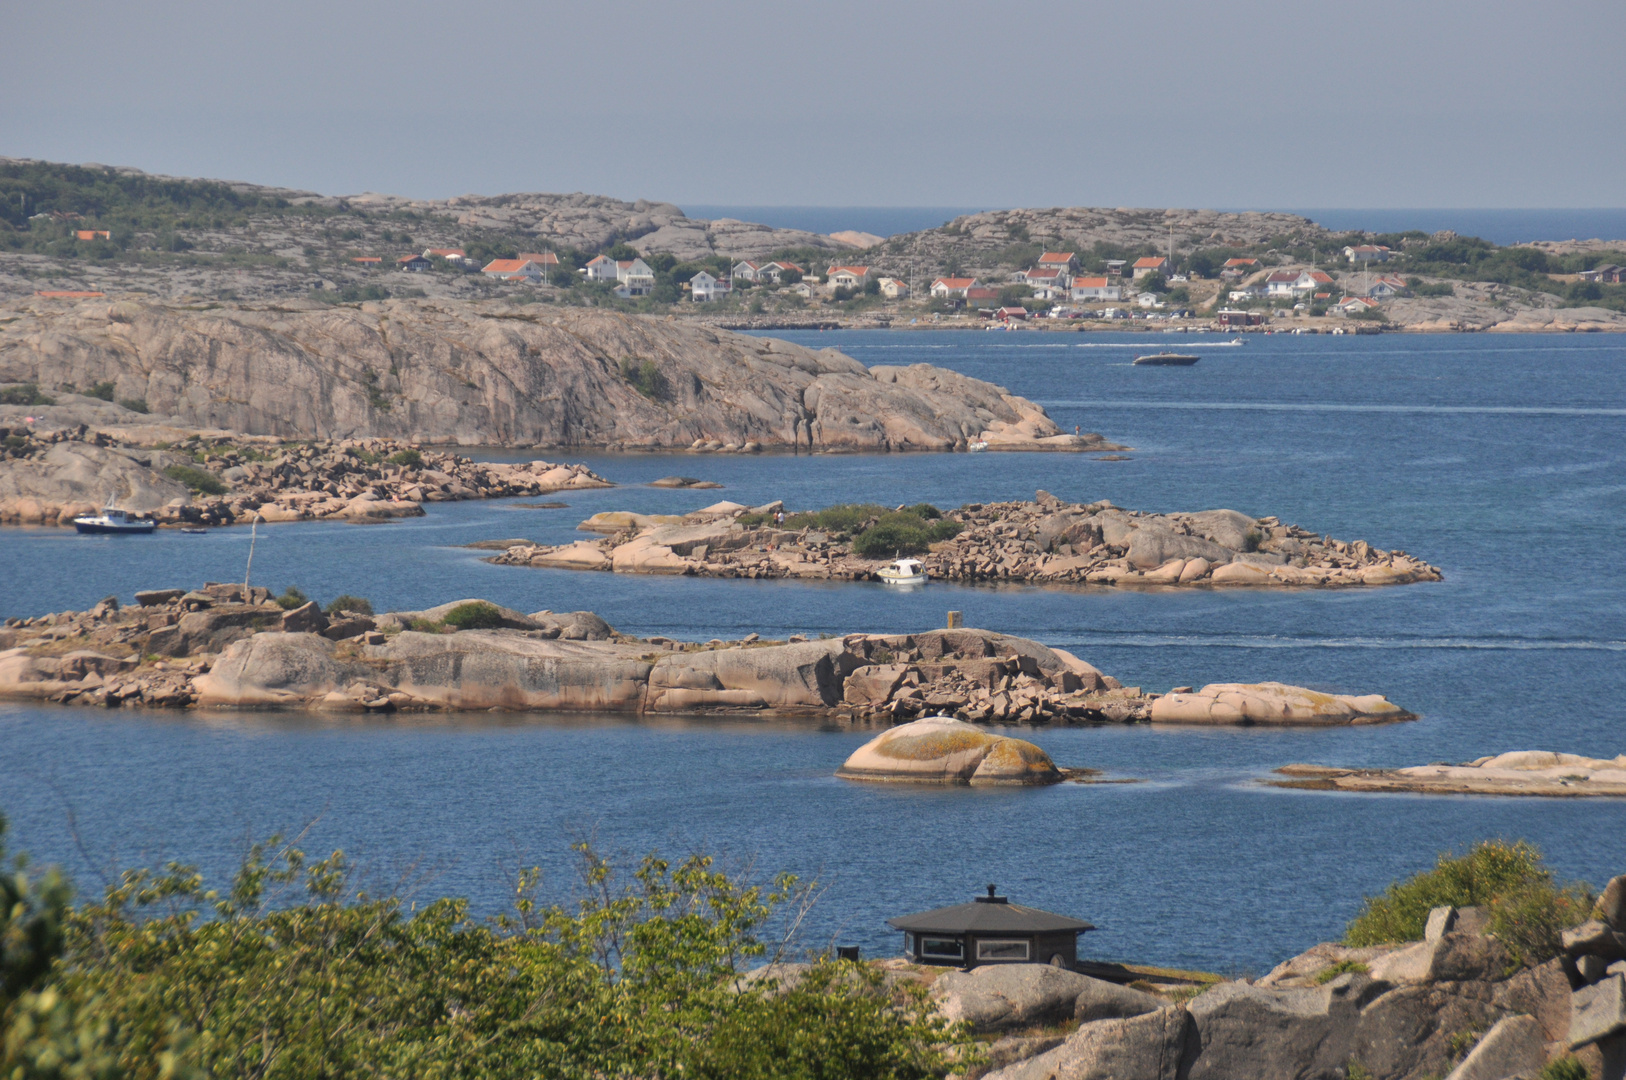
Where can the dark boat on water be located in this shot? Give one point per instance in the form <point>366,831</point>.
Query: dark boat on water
<point>113,521</point>
<point>1166,359</point>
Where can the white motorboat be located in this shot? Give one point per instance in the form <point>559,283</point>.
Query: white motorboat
<point>111,520</point>
<point>902,572</point>
<point>977,447</point>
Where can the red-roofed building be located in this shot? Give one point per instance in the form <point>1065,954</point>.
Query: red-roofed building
<point>952,288</point>
<point>1240,264</point>
<point>1354,305</point>
<point>1006,314</point>
<point>1385,287</point>
<point>1095,288</point>
<point>1151,264</point>
<point>92,234</point>
<point>746,271</point>
<point>68,294</point>
<point>514,270</point>
<point>846,277</point>
<point>776,271</point>
<point>1364,253</point>
<point>544,259</point>
<point>981,294</point>
<point>1065,261</point>
<point>366,260</point>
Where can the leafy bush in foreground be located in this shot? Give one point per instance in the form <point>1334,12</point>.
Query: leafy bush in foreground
<point>1527,911</point>
<point>345,602</point>
<point>292,598</point>
<point>292,972</point>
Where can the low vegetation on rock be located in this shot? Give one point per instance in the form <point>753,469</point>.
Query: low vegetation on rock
<point>1528,910</point>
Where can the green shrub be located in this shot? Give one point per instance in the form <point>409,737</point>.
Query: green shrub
<point>198,480</point>
<point>134,404</point>
<point>924,510</point>
<point>409,457</point>
<point>345,602</point>
<point>1565,1068</point>
<point>1342,967</point>
<point>646,377</point>
<point>1526,909</point>
<point>292,598</point>
<point>24,394</point>
<point>103,390</point>
<point>16,442</point>
<point>292,971</point>
<point>474,615</point>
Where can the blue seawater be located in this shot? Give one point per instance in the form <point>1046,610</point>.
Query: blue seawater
<point>1500,459</point>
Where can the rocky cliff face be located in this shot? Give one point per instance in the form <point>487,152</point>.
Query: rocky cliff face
<point>499,374</point>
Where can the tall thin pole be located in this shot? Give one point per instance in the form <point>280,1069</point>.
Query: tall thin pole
<point>253,535</point>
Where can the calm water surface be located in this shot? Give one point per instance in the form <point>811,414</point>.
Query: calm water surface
<point>1499,459</point>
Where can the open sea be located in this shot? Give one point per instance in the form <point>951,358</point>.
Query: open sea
<point>1510,226</point>
<point>1501,459</point>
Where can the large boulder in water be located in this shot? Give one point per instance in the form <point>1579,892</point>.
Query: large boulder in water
<point>941,750</point>
<point>1273,703</point>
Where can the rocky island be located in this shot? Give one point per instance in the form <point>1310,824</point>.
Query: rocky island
<point>1045,541</point>
<point>226,646</point>
<point>501,374</point>
<point>1518,772</point>
<point>50,476</point>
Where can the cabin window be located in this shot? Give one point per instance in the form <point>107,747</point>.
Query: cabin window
<point>948,948</point>
<point>1002,950</point>
<point>908,944</point>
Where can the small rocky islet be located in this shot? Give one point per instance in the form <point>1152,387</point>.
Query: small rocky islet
<point>1043,541</point>
<point>1518,772</point>
<point>49,477</point>
<point>225,645</point>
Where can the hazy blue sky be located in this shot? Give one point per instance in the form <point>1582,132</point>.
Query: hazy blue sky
<point>828,102</point>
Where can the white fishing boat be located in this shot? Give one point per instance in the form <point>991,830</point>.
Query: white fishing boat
<point>112,520</point>
<point>977,447</point>
<point>902,572</point>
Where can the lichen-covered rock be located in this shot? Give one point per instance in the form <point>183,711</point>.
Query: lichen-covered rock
<point>1273,703</point>
<point>941,750</point>
<point>1158,1045</point>
<point>994,997</point>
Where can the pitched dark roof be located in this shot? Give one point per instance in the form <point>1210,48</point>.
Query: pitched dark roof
<point>988,915</point>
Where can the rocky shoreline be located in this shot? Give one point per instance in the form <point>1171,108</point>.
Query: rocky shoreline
<point>224,646</point>
<point>1046,541</point>
<point>1516,773</point>
<point>48,477</point>
<point>1460,1003</point>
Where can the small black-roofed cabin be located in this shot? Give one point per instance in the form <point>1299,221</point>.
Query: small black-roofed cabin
<point>990,930</point>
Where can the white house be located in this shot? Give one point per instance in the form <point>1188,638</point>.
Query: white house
<point>1095,288</point>
<point>602,268</point>
<point>746,271</point>
<point>1367,253</point>
<point>456,256</point>
<point>704,288</point>
<point>1152,264</point>
<point>1065,261</point>
<point>893,289</point>
<point>952,288</point>
<point>1354,305</point>
<point>1385,287</point>
<point>847,277</point>
<point>1282,283</point>
<point>801,288</point>
<point>1247,292</point>
<point>637,277</point>
<point>514,270</point>
<point>1050,278</point>
<point>1148,300</point>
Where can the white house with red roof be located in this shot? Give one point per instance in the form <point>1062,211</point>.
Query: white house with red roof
<point>1295,282</point>
<point>1367,253</point>
<point>1354,305</point>
<point>1065,261</point>
<point>703,288</point>
<point>1047,282</point>
<point>514,270</point>
<point>894,288</point>
<point>746,271</point>
<point>600,268</point>
<point>1151,264</point>
<point>1386,286</point>
<point>847,277</point>
<point>637,278</point>
<point>1095,288</point>
<point>952,288</point>
<point>776,271</point>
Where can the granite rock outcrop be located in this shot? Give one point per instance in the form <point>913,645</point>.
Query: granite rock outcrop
<point>1518,772</point>
<point>492,373</point>
<point>940,750</point>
